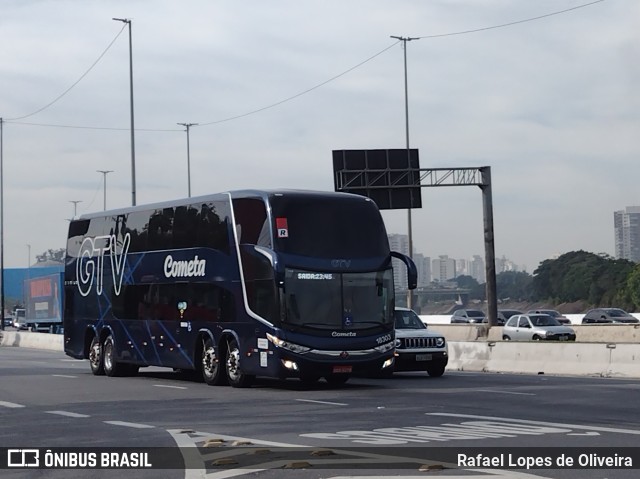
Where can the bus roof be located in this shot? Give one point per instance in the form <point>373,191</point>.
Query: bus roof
<point>233,194</point>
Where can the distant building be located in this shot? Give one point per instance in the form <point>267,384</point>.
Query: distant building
<point>423,265</point>
<point>477,269</point>
<point>627,233</point>
<point>443,268</point>
<point>399,243</point>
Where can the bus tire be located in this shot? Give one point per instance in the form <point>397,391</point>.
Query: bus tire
<point>111,367</point>
<point>236,377</point>
<point>212,371</point>
<point>96,357</point>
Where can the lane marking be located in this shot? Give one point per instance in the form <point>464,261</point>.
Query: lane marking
<point>10,404</point>
<point>129,424</point>
<point>540,423</point>
<point>64,376</point>
<point>188,442</point>
<point>323,402</point>
<point>168,386</point>
<point>67,413</point>
<point>504,392</point>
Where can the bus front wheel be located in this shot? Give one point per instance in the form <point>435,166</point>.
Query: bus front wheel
<point>212,371</point>
<point>236,377</point>
<point>95,357</point>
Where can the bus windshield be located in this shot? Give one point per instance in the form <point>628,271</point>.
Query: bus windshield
<point>321,302</point>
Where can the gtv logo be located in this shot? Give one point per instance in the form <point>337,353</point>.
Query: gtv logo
<point>90,264</point>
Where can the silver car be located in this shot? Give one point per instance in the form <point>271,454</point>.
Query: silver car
<point>536,327</point>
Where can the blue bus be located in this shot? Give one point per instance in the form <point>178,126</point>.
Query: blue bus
<point>234,285</point>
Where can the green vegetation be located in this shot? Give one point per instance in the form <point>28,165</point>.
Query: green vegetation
<point>597,279</point>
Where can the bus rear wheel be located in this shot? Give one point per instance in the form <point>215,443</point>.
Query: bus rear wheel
<point>111,367</point>
<point>236,377</point>
<point>212,371</point>
<point>95,357</point>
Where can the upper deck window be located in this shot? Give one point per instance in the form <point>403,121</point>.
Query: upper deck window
<point>328,226</point>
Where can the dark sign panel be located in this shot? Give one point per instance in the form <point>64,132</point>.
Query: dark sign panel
<point>389,177</point>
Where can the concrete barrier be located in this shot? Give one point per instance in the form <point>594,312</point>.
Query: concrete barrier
<point>575,359</point>
<point>32,340</point>
<point>606,359</point>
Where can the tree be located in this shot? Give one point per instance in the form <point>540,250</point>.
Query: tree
<point>56,255</point>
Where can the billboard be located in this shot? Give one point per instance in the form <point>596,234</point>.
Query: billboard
<point>389,177</point>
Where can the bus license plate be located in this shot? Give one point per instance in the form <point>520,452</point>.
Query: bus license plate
<point>423,357</point>
<point>342,369</point>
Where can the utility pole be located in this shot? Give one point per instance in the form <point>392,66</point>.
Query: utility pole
<point>104,175</point>
<point>1,228</point>
<point>404,40</point>
<point>187,127</point>
<point>133,142</point>
<point>75,208</point>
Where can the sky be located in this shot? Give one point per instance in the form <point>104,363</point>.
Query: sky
<point>551,105</point>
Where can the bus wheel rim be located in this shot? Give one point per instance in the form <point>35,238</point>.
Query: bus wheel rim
<point>94,355</point>
<point>233,363</point>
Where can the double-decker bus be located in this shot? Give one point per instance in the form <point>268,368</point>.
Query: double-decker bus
<point>234,285</point>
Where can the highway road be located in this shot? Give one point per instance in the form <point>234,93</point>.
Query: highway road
<point>366,428</point>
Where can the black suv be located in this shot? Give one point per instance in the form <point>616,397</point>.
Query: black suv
<point>608,315</point>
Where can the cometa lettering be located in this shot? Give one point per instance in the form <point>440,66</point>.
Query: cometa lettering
<point>184,269</point>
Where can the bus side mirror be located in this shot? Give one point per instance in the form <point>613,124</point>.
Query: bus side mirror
<point>278,267</point>
<point>412,271</point>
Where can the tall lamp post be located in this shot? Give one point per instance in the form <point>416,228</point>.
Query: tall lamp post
<point>133,143</point>
<point>404,41</point>
<point>1,230</point>
<point>104,177</point>
<point>29,261</point>
<point>75,208</point>
<point>187,126</point>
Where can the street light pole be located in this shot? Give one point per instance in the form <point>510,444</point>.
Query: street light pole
<point>29,262</point>
<point>104,177</point>
<point>133,142</point>
<point>187,126</point>
<point>75,208</point>
<point>1,228</point>
<point>404,40</point>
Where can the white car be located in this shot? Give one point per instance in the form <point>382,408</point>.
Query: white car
<point>536,327</point>
<point>417,347</point>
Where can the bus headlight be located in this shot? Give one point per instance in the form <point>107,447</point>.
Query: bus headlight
<point>388,363</point>
<point>281,343</point>
<point>383,348</point>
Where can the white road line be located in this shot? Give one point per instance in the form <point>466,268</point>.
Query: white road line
<point>323,402</point>
<point>10,404</point>
<point>539,423</point>
<point>67,413</point>
<point>129,424</point>
<point>503,392</point>
<point>64,376</point>
<point>170,387</point>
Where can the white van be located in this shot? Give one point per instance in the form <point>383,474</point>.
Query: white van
<point>20,319</point>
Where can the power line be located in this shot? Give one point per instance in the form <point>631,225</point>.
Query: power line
<point>302,92</point>
<point>75,83</point>
<point>539,17</point>
<point>280,102</point>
